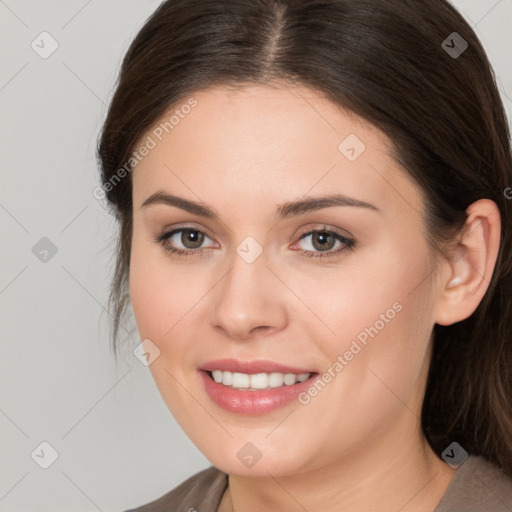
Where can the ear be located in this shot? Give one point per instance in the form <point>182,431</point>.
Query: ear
<point>466,276</point>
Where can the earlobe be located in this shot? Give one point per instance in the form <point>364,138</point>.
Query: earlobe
<point>470,270</point>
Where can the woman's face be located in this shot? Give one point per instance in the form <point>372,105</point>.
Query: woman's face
<point>356,312</point>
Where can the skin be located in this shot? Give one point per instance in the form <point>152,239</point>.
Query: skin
<point>358,444</point>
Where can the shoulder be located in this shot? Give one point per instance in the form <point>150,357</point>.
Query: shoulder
<point>478,486</point>
<point>202,491</point>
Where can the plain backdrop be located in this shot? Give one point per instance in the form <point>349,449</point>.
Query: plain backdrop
<point>102,428</point>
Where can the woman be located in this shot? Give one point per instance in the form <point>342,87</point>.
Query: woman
<point>315,241</point>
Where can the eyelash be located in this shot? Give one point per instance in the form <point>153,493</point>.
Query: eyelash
<point>162,239</point>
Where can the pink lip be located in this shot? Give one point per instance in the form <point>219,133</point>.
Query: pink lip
<point>251,367</point>
<point>253,403</point>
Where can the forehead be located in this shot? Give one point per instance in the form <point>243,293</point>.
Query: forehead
<point>270,144</point>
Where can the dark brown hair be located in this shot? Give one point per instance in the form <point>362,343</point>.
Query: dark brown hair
<point>385,61</point>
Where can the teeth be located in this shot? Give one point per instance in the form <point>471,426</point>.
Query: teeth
<point>257,380</point>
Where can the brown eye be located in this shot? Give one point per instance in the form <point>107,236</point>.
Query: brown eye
<point>193,237</point>
<point>183,241</point>
<point>323,243</point>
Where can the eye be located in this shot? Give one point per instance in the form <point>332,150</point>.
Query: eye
<point>190,238</point>
<point>323,241</point>
<point>321,244</point>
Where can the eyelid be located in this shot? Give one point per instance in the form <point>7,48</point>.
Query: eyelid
<point>191,226</point>
<point>323,227</point>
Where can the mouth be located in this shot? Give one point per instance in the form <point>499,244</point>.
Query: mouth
<point>253,394</point>
<point>258,381</point>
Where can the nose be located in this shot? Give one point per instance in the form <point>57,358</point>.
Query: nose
<point>249,299</point>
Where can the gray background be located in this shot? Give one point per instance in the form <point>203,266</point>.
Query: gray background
<point>117,444</point>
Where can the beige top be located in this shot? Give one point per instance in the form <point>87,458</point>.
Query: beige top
<point>477,486</point>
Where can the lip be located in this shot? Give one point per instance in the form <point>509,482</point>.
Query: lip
<point>251,367</point>
<point>253,403</point>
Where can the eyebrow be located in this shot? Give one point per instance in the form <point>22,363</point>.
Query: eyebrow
<point>283,211</point>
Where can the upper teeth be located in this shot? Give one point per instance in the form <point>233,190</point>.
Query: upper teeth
<point>257,380</point>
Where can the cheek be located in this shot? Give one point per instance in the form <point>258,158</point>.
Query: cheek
<point>378,322</point>
<point>161,296</point>
<point>148,301</point>
<point>162,300</point>
<point>366,295</point>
